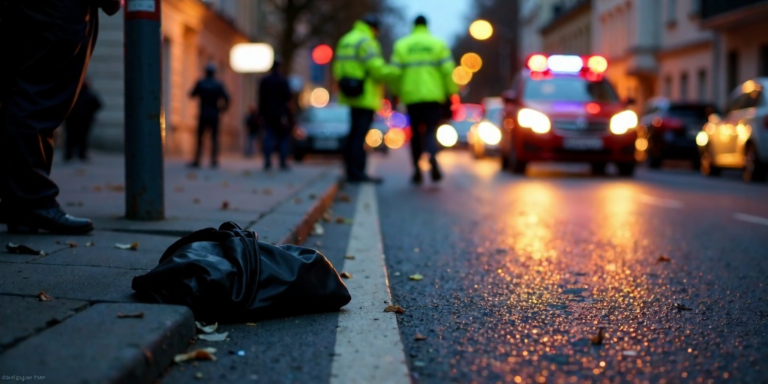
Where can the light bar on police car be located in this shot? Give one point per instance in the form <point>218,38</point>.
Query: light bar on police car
<point>567,64</point>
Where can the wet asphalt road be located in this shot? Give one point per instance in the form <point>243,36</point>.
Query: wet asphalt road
<point>521,272</point>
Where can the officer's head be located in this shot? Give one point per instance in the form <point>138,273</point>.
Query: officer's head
<point>420,20</point>
<point>373,21</point>
<point>210,70</point>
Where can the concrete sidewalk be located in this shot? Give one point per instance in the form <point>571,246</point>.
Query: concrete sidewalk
<point>77,337</point>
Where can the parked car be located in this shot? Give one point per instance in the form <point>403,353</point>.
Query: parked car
<point>668,130</point>
<point>321,130</point>
<point>561,108</point>
<point>453,134</point>
<point>738,139</point>
<point>485,136</point>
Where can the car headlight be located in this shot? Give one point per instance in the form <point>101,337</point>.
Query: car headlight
<point>702,138</point>
<point>447,135</point>
<point>489,133</point>
<point>299,133</point>
<point>535,120</point>
<point>623,122</point>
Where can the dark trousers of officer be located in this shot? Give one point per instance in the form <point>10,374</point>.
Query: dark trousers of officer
<point>205,124</point>
<point>355,157</point>
<point>424,120</point>
<point>45,48</point>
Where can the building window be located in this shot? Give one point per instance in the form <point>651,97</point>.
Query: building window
<point>668,87</point>
<point>701,88</point>
<point>684,86</point>
<point>732,71</point>
<point>763,70</point>
<point>671,12</point>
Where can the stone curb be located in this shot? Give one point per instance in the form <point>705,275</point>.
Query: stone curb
<point>323,201</point>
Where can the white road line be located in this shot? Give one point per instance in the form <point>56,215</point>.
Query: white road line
<point>659,202</point>
<point>750,218</point>
<point>368,346</point>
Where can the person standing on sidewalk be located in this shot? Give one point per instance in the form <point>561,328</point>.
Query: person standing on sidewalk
<point>78,123</point>
<point>361,72</point>
<point>252,129</point>
<point>275,110</point>
<point>45,48</point>
<point>214,99</point>
<point>425,67</point>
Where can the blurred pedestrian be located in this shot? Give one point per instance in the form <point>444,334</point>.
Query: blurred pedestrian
<point>214,99</point>
<point>276,113</point>
<point>78,124</point>
<point>424,84</point>
<point>252,130</point>
<point>360,71</point>
<point>46,47</point>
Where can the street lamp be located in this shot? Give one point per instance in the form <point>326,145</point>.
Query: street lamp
<point>481,29</point>
<point>472,62</point>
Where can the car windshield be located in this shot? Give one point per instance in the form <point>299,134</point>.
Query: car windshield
<point>569,88</point>
<point>326,115</point>
<point>494,115</point>
<point>692,111</point>
<point>462,126</point>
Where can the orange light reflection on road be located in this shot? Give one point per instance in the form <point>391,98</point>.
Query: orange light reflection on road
<point>532,235</point>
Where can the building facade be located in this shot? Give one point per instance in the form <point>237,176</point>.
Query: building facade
<point>532,16</point>
<point>194,33</point>
<point>569,31</point>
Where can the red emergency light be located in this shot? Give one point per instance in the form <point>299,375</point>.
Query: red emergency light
<point>593,66</point>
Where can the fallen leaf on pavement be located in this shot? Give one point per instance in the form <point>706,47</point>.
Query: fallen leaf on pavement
<point>394,308</point>
<point>348,221</point>
<point>127,247</point>
<point>197,354</point>
<point>345,198</point>
<point>297,200</point>
<point>629,353</point>
<point>266,192</point>
<point>349,257</point>
<point>663,259</point>
<point>42,296</point>
<point>250,324</point>
<point>312,196</point>
<point>598,339</point>
<point>90,244</point>
<point>198,375</point>
<point>318,243</point>
<point>345,275</point>
<point>115,187</point>
<point>178,188</point>
<point>148,354</point>
<point>419,337</point>
<point>137,315</point>
<point>195,201</point>
<point>213,336</point>
<point>318,230</point>
<point>97,188</point>
<point>71,244</point>
<point>224,205</point>
<point>80,172</point>
<point>191,176</point>
<point>327,216</point>
<point>416,277</point>
<point>225,184</point>
<point>21,249</point>
<point>207,328</point>
<point>683,307</point>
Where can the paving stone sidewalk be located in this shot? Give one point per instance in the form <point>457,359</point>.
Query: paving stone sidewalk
<point>77,337</point>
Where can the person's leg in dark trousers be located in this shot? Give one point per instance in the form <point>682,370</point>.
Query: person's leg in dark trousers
<point>270,138</point>
<point>46,47</point>
<point>214,127</point>
<point>418,128</point>
<point>201,127</point>
<point>355,155</point>
<point>432,114</point>
<point>284,143</point>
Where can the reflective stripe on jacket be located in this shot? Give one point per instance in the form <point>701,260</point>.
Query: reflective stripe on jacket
<point>424,67</point>
<point>358,56</point>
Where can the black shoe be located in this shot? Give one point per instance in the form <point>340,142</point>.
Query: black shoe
<point>215,164</point>
<point>53,220</point>
<point>435,171</point>
<point>366,179</point>
<point>194,164</point>
<point>417,179</point>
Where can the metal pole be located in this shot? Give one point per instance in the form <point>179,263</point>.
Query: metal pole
<point>144,198</point>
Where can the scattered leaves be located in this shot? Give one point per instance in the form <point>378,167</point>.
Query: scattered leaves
<point>195,201</point>
<point>349,257</point>
<point>683,307</point>
<point>21,249</point>
<point>598,339</point>
<point>224,205</point>
<point>137,315</point>
<point>318,230</point>
<point>663,259</point>
<point>327,216</point>
<point>345,198</point>
<point>318,243</point>
<point>416,277</point>
<point>345,275</point>
<point>298,200</point>
<point>42,296</point>
<point>206,328</point>
<point>128,247</point>
<point>90,244</point>
<point>419,337</point>
<point>115,187</point>
<point>197,354</point>
<point>250,324</point>
<point>71,244</point>
<point>266,192</point>
<point>192,176</point>
<point>213,336</point>
<point>395,309</point>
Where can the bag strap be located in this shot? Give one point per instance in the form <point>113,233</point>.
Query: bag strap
<point>225,232</point>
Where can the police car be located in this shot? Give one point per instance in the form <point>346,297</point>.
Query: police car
<point>561,108</point>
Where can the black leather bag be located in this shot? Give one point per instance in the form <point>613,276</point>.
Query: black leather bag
<point>351,87</point>
<point>227,275</point>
